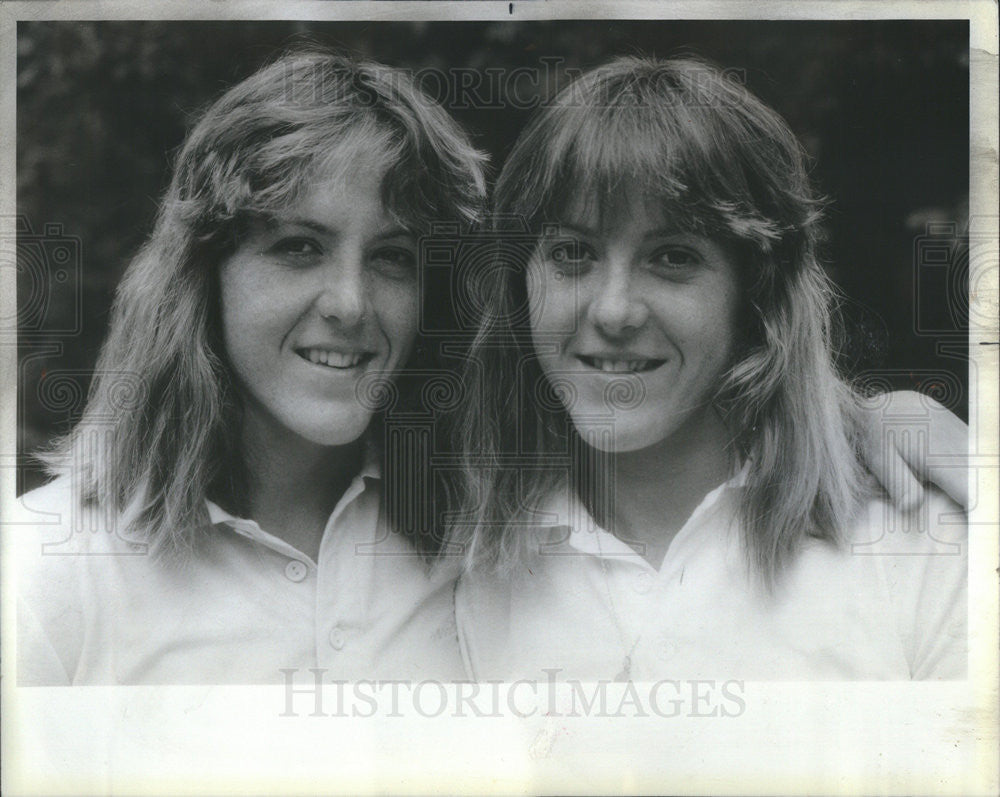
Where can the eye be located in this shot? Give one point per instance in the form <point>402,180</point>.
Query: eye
<point>396,261</point>
<point>675,258</point>
<point>296,247</point>
<point>569,257</point>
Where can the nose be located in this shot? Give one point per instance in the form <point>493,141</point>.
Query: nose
<point>616,309</point>
<point>343,292</point>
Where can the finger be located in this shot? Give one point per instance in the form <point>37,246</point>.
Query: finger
<point>954,481</point>
<point>949,435</point>
<point>945,440</point>
<point>892,471</point>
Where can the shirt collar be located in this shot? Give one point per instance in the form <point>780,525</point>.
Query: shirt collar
<point>570,523</point>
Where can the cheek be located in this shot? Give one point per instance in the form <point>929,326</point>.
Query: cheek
<point>397,307</point>
<point>719,333</point>
<point>249,297</point>
<point>552,304</point>
<point>236,304</point>
<point>702,324</point>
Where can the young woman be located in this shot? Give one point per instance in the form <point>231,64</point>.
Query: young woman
<point>696,504</point>
<point>220,513</point>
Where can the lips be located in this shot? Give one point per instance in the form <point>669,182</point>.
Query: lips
<point>329,358</point>
<point>620,364</point>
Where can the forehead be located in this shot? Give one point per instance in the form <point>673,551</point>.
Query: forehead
<point>348,183</point>
<point>346,203</point>
<point>342,187</point>
<point>628,207</point>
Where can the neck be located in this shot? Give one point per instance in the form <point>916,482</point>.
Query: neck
<point>656,489</point>
<point>294,484</point>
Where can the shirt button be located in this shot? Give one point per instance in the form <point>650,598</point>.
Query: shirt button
<point>296,570</point>
<point>337,639</point>
<point>643,582</point>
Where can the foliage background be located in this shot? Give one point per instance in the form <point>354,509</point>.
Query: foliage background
<point>882,107</point>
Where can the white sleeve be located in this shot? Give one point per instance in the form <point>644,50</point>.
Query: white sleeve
<point>49,601</point>
<point>38,663</point>
<point>926,569</point>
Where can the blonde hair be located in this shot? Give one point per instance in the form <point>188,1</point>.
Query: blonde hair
<point>159,432</point>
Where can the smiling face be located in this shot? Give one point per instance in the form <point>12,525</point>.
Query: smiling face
<point>313,300</point>
<point>636,319</point>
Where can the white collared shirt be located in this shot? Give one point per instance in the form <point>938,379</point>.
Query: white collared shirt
<point>95,609</point>
<point>890,606</point>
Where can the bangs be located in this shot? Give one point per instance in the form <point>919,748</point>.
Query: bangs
<point>712,156</point>
<point>280,171</point>
<point>275,174</point>
<point>317,116</point>
<point>605,159</point>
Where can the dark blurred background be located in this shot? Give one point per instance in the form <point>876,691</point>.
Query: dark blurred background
<point>882,107</point>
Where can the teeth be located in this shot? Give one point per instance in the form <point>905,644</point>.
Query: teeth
<point>338,360</point>
<point>332,359</point>
<point>619,366</point>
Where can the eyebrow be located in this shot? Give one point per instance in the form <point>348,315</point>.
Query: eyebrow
<point>562,227</point>
<point>309,224</point>
<point>668,232</point>
<point>318,227</point>
<point>659,232</point>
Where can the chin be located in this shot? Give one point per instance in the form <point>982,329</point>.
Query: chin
<point>339,430</point>
<point>619,436</point>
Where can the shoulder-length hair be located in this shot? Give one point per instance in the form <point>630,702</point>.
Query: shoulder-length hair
<point>159,433</point>
<point>721,164</point>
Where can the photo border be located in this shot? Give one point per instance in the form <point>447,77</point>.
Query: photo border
<point>829,737</point>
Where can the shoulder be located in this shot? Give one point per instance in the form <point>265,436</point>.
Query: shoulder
<point>889,554</point>
<point>938,526</point>
<point>56,515</point>
<point>40,528</point>
<point>894,588</point>
<point>37,530</point>
<point>906,552</point>
<point>50,497</point>
<point>44,516</point>
<point>922,559</point>
<point>54,535</point>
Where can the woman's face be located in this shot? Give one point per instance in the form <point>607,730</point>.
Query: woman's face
<point>635,320</point>
<point>315,300</point>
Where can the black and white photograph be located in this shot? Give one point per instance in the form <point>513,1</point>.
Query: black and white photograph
<point>500,397</point>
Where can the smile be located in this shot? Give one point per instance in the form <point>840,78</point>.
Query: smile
<point>334,359</point>
<point>620,366</point>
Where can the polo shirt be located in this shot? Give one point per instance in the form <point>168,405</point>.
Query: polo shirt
<point>890,604</point>
<point>95,608</point>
